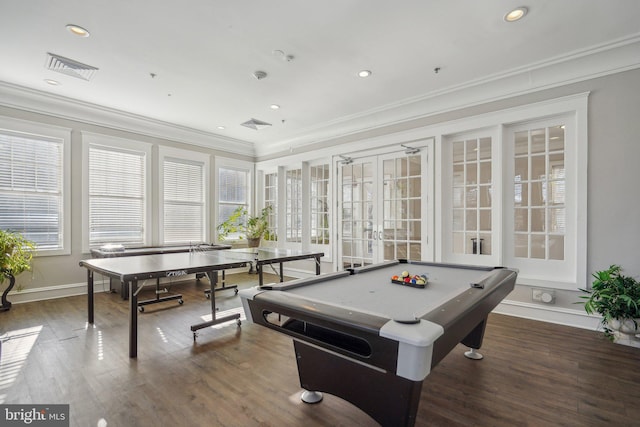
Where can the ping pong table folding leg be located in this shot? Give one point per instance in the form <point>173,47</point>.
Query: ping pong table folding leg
<point>224,286</point>
<point>133,319</point>
<point>158,298</point>
<point>90,296</point>
<point>213,280</point>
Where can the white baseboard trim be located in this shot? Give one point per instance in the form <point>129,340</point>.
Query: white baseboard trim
<point>52,292</point>
<point>550,314</point>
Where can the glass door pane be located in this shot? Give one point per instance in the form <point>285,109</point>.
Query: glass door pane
<point>382,209</point>
<point>357,213</point>
<point>472,185</point>
<point>401,200</point>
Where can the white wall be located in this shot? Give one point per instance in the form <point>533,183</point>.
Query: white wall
<point>613,204</point>
<point>613,175</point>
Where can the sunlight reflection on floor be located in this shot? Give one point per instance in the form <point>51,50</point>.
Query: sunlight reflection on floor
<point>16,346</point>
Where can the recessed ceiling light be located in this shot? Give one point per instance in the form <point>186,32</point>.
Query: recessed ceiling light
<point>516,14</point>
<point>364,73</point>
<point>52,82</point>
<point>78,30</point>
<point>274,106</point>
<point>221,127</point>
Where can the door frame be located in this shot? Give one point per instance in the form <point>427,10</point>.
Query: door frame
<point>426,148</point>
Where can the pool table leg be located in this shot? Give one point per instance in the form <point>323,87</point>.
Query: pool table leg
<point>474,341</point>
<point>389,399</point>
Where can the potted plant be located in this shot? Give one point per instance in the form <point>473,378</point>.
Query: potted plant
<point>616,298</point>
<point>16,253</point>
<point>248,226</point>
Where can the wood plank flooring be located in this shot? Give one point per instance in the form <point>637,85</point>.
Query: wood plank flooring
<point>533,373</point>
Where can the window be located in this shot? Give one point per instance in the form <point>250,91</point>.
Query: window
<point>271,199</point>
<point>514,192</point>
<point>293,218</point>
<point>116,196</point>
<point>184,209</point>
<point>539,193</point>
<point>233,192</point>
<point>319,204</point>
<point>544,200</point>
<point>34,184</point>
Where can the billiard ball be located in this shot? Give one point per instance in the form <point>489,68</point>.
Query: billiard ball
<point>405,273</point>
<point>394,278</point>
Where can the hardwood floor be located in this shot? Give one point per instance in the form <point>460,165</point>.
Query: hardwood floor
<point>533,373</point>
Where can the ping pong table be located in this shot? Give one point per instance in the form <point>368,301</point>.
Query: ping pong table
<point>134,270</point>
<point>108,251</point>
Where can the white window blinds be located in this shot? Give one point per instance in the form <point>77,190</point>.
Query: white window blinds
<point>184,201</point>
<point>116,196</point>
<point>31,176</point>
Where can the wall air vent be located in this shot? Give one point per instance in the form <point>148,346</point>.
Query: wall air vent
<point>256,124</point>
<point>69,67</point>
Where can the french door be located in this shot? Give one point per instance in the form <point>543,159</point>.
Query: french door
<point>382,202</point>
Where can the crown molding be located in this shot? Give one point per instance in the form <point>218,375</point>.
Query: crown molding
<point>31,100</point>
<point>597,61</point>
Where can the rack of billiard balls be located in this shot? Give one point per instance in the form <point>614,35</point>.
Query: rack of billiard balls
<point>406,279</point>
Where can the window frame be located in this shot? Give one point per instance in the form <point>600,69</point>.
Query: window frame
<point>576,107</point>
<point>93,139</point>
<point>561,269</point>
<point>326,248</point>
<point>262,201</point>
<point>190,157</point>
<point>31,130</point>
<point>234,164</point>
<point>300,206</point>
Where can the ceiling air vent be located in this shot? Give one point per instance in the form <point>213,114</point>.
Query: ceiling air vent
<point>69,67</point>
<point>256,124</point>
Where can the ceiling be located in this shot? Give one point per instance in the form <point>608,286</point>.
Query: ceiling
<point>191,64</point>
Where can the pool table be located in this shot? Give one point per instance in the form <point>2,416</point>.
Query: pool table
<point>359,336</point>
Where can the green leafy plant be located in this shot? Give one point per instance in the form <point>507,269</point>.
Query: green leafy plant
<point>16,254</point>
<point>614,296</point>
<point>249,226</point>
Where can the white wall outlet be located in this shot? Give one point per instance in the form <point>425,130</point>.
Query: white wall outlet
<point>546,296</point>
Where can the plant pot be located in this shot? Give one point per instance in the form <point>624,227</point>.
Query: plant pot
<point>6,304</point>
<point>625,332</point>
<point>253,242</point>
